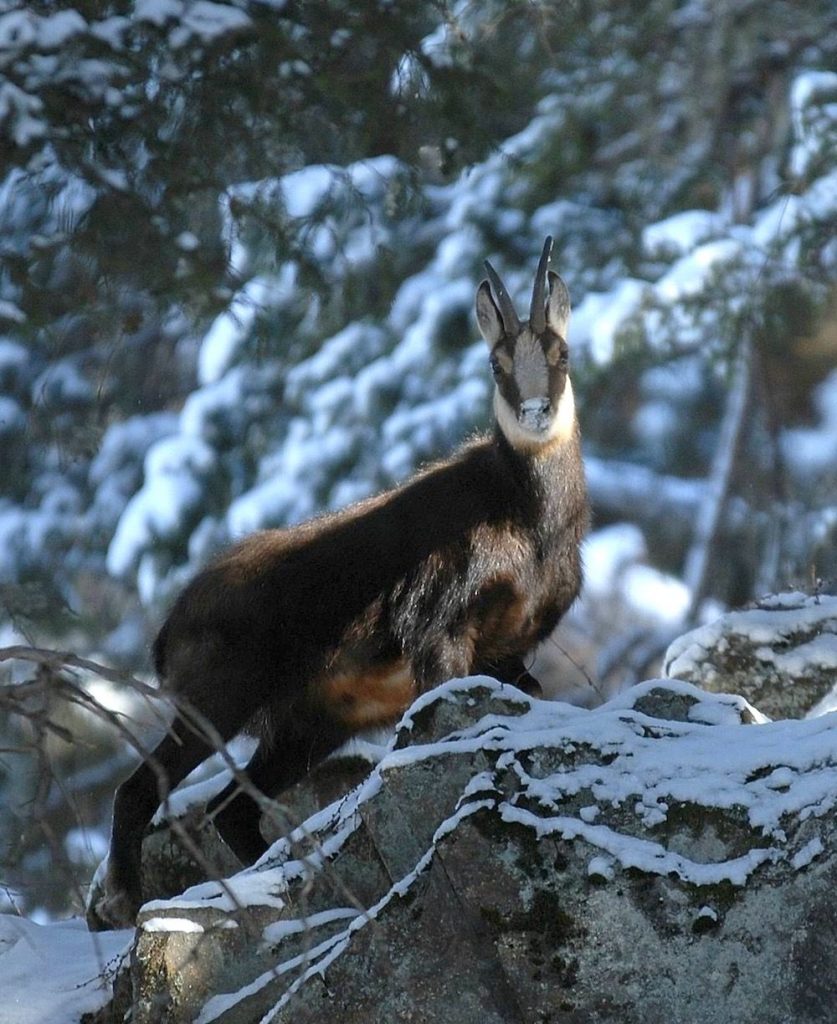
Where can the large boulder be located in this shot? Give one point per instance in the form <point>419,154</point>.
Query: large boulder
<point>780,654</point>
<point>666,857</point>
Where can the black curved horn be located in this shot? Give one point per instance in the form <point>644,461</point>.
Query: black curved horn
<point>511,322</point>
<point>537,315</point>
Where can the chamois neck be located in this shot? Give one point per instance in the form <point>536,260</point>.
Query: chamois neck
<point>542,466</point>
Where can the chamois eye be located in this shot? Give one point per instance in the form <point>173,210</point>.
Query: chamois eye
<point>494,363</point>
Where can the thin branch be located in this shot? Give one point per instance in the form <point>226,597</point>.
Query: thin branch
<point>66,659</point>
<point>707,527</point>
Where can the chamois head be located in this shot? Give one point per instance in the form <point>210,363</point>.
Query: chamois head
<point>533,399</point>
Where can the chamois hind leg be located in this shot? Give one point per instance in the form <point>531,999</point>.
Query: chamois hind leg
<point>303,738</point>
<point>180,751</point>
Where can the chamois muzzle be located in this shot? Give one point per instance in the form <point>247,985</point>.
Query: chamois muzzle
<point>535,414</point>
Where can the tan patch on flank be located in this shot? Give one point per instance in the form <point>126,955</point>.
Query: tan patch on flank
<point>369,696</point>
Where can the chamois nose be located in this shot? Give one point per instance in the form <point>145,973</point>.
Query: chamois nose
<point>534,413</point>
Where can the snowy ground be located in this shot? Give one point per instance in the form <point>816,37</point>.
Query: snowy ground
<point>53,973</point>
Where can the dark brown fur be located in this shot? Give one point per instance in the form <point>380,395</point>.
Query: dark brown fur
<point>304,636</point>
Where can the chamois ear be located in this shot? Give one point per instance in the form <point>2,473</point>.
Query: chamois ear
<point>558,306</point>
<point>488,316</point>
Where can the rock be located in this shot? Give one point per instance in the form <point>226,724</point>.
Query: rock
<point>781,655</point>
<point>652,860</point>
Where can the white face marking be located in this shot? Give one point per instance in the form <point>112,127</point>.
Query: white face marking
<point>519,435</point>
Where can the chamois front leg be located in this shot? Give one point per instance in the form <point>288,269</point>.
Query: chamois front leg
<point>453,657</point>
<point>512,671</point>
<point>440,658</point>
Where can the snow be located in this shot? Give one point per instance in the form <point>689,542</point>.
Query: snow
<point>678,234</point>
<point>127,441</point>
<point>608,551</point>
<point>809,852</point>
<point>772,628</point>
<point>230,331</point>
<point>57,29</point>
<point>220,413</point>
<point>379,395</point>
<point>157,12</point>
<point>206,21</point>
<point>777,222</point>
<point>22,110</point>
<point>276,932</point>
<point>174,468</point>
<point>346,352</point>
<point>821,653</point>
<point>689,275</point>
<point>820,200</point>
<point>17,29</point>
<point>766,771</point>
<point>600,868</point>
<point>658,593</point>
<point>813,450</point>
<point>616,569</point>
<point>306,191</point>
<point>12,417</point>
<point>55,972</point>
<point>63,384</point>
<point>111,30</point>
<point>8,310</point>
<point>806,90</point>
<point>172,924</point>
<point>596,322</point>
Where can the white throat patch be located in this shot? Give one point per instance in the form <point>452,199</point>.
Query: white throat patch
<point>559,430</point>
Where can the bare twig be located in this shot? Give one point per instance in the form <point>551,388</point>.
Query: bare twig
<point>30,700</point>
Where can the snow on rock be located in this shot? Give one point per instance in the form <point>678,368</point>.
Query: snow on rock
<point>781,654</point>
<point>521,852</point>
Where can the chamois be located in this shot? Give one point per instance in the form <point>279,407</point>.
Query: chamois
<point>309,634</point>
